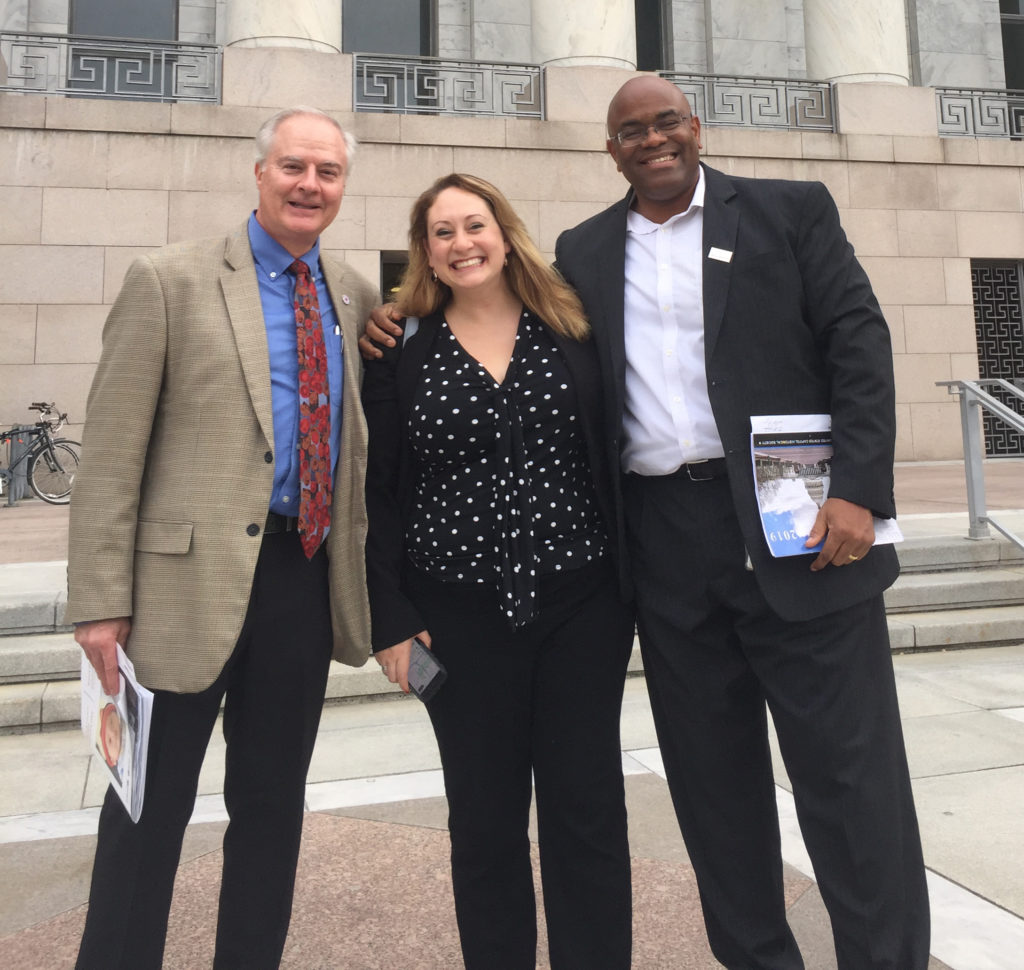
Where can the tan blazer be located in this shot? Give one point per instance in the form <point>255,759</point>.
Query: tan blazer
<point>177,463</point>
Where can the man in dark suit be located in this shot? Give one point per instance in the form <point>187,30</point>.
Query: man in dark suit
<point>226,402</point>
<point>712,299</point>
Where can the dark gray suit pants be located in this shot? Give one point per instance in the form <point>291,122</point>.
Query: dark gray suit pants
<point>716,656</point>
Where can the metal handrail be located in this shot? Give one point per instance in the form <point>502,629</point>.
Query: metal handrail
<point>974,399</point>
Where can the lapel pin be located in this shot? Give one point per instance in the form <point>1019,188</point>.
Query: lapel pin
<point>345,299</point>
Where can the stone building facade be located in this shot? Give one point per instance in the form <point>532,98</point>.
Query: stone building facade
<point>88,183</point>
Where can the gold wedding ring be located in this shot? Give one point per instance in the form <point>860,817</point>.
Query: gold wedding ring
<point>853,558</point>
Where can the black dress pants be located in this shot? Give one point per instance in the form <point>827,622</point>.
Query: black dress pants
<point>715,654</point>
<point>273,689</point>
<point>546,700</point>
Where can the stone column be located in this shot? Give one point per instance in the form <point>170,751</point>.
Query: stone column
<point>861,41</point>
<point>571,33</point>
<point>312,25</point>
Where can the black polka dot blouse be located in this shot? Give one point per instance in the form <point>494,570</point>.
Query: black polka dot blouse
<point>503,489</point>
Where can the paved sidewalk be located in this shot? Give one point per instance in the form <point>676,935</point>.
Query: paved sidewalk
<point>373,886</point>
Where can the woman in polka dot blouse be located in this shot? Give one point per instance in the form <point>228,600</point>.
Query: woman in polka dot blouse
<point>489,500</point>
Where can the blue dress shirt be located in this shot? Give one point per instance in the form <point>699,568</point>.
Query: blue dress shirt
<point>277,296</point>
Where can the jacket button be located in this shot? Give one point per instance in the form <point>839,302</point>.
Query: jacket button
<point>268,457</point>
<point>253,529</point>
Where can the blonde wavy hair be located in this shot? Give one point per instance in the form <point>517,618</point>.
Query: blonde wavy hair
<point>542,291</point>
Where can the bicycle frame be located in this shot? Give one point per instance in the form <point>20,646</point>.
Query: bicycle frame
<point>41,445</point>
<point>41,438</point>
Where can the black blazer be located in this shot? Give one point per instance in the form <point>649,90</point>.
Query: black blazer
<point>389,385</point>
<point>791,326</point>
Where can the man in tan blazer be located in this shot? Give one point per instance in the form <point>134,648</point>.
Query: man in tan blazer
<point>191,543</point>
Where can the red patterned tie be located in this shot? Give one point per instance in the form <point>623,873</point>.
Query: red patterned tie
<point>314,414</point>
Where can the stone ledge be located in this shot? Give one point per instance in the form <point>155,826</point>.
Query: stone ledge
<point>22,110</point>
<point>953,590</point>
<point>36,706</point>
<point>62,704</point>
<point>53,656</point>
<point>39,614</point>
<point>951,552</point>
<point>951,628</point>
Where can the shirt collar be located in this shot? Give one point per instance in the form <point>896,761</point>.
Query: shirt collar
<point>272,257</point>
<point>642,226</point>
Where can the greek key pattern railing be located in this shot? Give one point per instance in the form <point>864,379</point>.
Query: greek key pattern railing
<point>109,68</point>
<point>429,85</point>
<point>980,113</point>
<point>758,102</point>
<point>999,328</point>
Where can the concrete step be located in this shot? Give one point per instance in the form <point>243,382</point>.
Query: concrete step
<point>41,656</point>
<point>956,629</point>
<point>963,589</point>
<point>945,553</point>
<point>40,705</point>
<point>953,593</point>
<point>33,596</point>
<point>41,610</point>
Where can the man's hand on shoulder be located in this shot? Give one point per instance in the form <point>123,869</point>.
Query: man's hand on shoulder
<point>99,639</point>
<point>848,530</point>
<point>381,328</point>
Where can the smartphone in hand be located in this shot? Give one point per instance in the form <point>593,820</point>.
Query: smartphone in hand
<point>426,672</point>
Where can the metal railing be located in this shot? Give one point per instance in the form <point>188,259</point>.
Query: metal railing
<point>758,102</point>
<point>973,400</point>
<point>109,67</point>
<point>432,85</point>
<point>980,112</point>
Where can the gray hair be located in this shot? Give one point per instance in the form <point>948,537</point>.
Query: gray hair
<point>265,136</point>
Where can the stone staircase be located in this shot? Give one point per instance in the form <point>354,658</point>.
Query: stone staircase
<point>953,593</point>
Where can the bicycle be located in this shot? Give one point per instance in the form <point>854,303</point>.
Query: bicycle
<point>50,463</point>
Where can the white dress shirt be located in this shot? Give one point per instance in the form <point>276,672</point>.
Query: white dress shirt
<point>668,417</point>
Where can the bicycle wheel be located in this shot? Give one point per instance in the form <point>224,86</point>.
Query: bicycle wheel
<point>51,471</point>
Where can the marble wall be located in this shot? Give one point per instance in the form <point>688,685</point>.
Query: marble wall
<point>36,16</point>
<point>197,21</point>
<point>500,30</point>
<point>454,33</point>
<point>576,32</point>
<point>796,52</point>
<point>689,37</point>
<point>14,14</point>
<point>86,185</point>
<point>741,44</point>
<point>314,25</point>
<point>862,42</point>
<point>956,43</point>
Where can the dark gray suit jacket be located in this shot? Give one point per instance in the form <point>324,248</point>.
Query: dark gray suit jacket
<point>791,326</point>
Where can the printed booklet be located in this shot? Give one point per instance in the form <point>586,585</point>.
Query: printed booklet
<point>117,730</point>
<point>792,456</point>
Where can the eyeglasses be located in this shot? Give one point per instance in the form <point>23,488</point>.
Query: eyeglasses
<point>633,135</point>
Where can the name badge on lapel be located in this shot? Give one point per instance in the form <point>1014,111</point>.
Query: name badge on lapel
<point>722,255</point>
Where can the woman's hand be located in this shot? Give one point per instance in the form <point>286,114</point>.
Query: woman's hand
<point>394,661</point>
<point>382,328</point>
